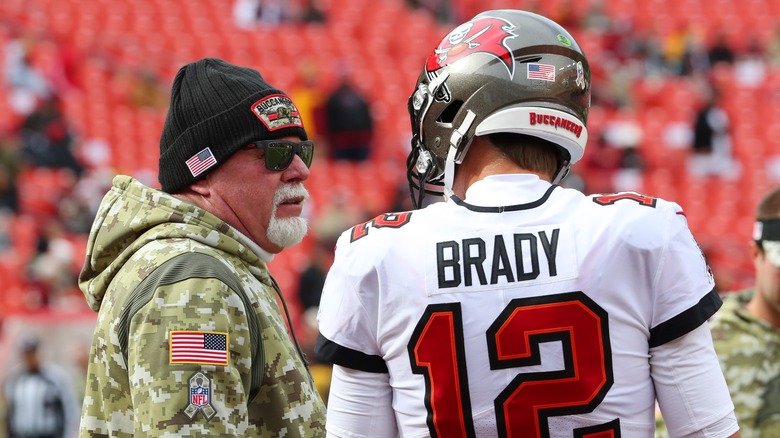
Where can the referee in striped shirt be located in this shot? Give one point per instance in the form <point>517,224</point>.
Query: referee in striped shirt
<point>40,398</point>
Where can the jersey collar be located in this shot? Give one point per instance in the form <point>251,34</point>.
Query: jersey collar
<point>506,192</point>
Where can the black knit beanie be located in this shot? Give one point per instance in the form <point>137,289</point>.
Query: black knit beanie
<point>216,109</point>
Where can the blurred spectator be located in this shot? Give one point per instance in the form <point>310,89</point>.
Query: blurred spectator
<point>750,65</point>
<point>9,190</point>
<point>674,48</point>
<point>646,49</point>
<point>26,82</point>
<point>273,11</point>
<point>49,274</point>
<point>711,149</point>
<point>773,47</point>
<point>721,51</point>
<point>309,98</point>
<point>349,125</point>
<point>64,71</point>
<point>47,139</point>
<point>340,213</point>
<point>602,164</point>
<point>79,206</point>
<point>630,175</point>
<point>148,91</point>
<point>310,283</point>
<point>695,60</point>
<point>311,13</point>
<point>9,195</point>
<point>624,135</point>
<point>440,9</point>
<point>6,240</point>
<point>402,200</point>
<point>248,14</point>
<point>595,19</point>
<point>40,398</point>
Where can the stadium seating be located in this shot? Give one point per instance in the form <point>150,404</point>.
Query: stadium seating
<point>385,43</point>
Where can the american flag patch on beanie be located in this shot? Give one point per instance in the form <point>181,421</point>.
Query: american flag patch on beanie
<point>201,161</point>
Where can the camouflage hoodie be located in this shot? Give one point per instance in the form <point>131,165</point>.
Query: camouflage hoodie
<point>189,340</point>
<point>749,352</point>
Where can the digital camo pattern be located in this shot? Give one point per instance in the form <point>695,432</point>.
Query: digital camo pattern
<point>749,354</point>
<point>137,229</point>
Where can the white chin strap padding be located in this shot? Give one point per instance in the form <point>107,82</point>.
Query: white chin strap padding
<point>449,168</point>
<point>562,173</point>
<point>455,140</point>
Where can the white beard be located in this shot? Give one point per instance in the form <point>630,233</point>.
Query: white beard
<point>287,231</point>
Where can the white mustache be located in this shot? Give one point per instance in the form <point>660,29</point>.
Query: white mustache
<point>290,191</point>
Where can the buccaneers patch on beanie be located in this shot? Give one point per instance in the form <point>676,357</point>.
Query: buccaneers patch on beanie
<point>216,109</point>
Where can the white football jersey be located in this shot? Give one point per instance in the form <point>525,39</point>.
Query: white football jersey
<point>524,310</point>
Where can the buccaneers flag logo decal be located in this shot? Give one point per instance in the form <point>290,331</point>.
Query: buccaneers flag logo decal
<point>485,35</point>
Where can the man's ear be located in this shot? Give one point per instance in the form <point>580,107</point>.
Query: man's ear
<point>755,250</point>
<point>201,187</point>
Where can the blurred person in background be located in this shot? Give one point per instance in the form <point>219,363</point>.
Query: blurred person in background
<point>192,335</point>
<point>711,149</point>
<point>47,139</point>
<point>310,283</point>
<point>349,124</point>
<point>49,274</point>
<point>27,83</point>
<point>40,398</point>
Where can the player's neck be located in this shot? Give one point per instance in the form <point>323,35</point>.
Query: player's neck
<point>483,161</point>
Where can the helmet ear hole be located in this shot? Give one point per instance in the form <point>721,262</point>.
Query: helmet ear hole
<point>449,113</point>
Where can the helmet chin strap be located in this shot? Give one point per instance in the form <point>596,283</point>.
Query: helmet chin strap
<point>453,157</point>
<point>449,171</point>
<point>562,173</point>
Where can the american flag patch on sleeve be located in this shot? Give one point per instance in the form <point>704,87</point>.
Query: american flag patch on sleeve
<point>207,348</point>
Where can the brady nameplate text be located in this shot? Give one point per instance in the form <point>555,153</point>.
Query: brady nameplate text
<point>490,260</point>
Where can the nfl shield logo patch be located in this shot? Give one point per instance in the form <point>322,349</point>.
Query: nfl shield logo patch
<point>200,397</point>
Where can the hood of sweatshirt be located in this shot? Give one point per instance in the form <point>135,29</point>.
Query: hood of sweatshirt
<point>132,215</point>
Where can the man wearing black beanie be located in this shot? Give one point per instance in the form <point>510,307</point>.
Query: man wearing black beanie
<point>190,338</point>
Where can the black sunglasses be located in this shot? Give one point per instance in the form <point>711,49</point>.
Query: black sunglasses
<point>279,153</point>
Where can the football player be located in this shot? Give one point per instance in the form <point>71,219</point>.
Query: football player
<point>517,307</point>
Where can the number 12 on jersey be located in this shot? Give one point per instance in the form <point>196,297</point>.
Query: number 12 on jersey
<point>436,351</point>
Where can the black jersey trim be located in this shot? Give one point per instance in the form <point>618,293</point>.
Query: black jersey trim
<point>686,321</point>
<point>331,352</point>
<point>504,208</point>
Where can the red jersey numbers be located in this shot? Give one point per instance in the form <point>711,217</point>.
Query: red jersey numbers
<point>436,351</point>
<point>386,220</point>
<point>647,201</point>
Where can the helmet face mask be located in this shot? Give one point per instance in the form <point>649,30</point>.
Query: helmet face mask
<point>503,71</point>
